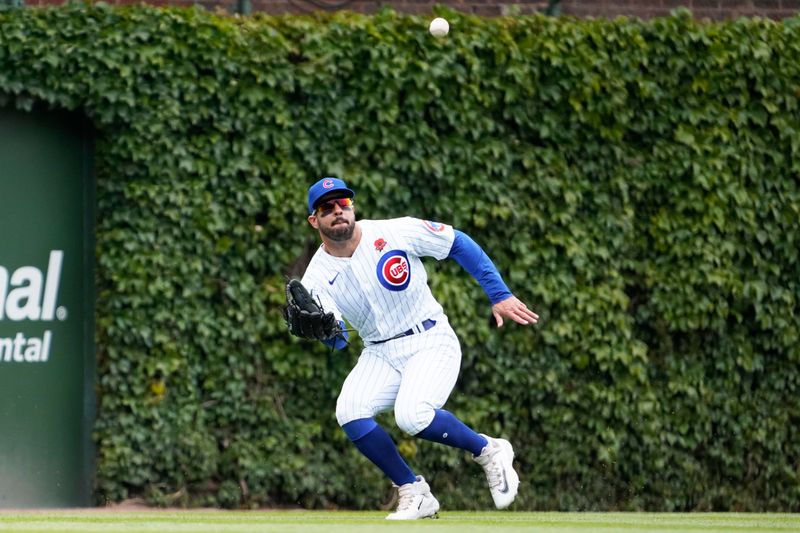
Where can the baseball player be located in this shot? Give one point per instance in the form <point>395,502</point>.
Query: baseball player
<point>369,273</point>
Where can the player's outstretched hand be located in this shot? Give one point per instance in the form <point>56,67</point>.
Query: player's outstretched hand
<point>515,310</point>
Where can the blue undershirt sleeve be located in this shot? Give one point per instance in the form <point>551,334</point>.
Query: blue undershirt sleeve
<point>339,342</point>
<point>474,260</point>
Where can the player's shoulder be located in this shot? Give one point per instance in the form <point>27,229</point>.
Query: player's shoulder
<point>407,228</point>
<point>387,227</point>
<point>395,223</point>
<point>379,226</point>
<point>423,226</point>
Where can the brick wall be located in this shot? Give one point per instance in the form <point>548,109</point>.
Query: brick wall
<point>714,9</point>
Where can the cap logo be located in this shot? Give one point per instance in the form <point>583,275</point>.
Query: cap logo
<point>434,227</point>
<point>327,184</point>
<point>394,270</point>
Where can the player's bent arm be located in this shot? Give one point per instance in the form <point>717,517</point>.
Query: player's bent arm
<point>474,260</point>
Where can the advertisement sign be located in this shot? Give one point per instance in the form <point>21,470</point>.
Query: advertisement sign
<point>46,310</point>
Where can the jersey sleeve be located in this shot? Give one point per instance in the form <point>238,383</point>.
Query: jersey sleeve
<point>426,238</point>
<point>474,260</point>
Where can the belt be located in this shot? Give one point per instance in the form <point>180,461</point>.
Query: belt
<point>424,326</point>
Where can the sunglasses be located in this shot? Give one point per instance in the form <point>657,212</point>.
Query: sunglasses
<point>326,208</point>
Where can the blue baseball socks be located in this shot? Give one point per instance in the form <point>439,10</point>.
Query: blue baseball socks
<point>447,429</point>
<point>377,446</point>
<point>373,441</point>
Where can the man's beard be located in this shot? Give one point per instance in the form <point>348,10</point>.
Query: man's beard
<point>339,233</point>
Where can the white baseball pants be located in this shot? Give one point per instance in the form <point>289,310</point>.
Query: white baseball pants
<point>414,374</point>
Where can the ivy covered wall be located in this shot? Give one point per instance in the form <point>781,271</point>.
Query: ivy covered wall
<point>636,183</point>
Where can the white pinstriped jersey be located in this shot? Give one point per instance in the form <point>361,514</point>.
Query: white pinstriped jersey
<point>382,290</point>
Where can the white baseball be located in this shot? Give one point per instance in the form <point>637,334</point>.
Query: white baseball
<point>439,27</point>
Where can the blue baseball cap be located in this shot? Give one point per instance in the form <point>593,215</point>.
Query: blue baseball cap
<point>325,186</point>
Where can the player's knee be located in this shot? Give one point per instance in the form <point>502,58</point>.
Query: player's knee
<point>413,417</point>
<point>343,415</point>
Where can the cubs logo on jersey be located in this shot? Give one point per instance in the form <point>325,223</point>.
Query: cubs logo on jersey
<point>394,270</point>
<point>434,227</point>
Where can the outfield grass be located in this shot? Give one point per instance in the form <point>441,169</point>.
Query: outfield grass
<point>363,522</point>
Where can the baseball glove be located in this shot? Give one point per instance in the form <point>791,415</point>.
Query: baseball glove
<point>305,317</point>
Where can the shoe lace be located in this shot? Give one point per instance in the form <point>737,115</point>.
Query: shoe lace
<point>494,473</point>
<point>406,493</point>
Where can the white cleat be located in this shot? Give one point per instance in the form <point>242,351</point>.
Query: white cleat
<point>497,460</point>
<point>416,501</point>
